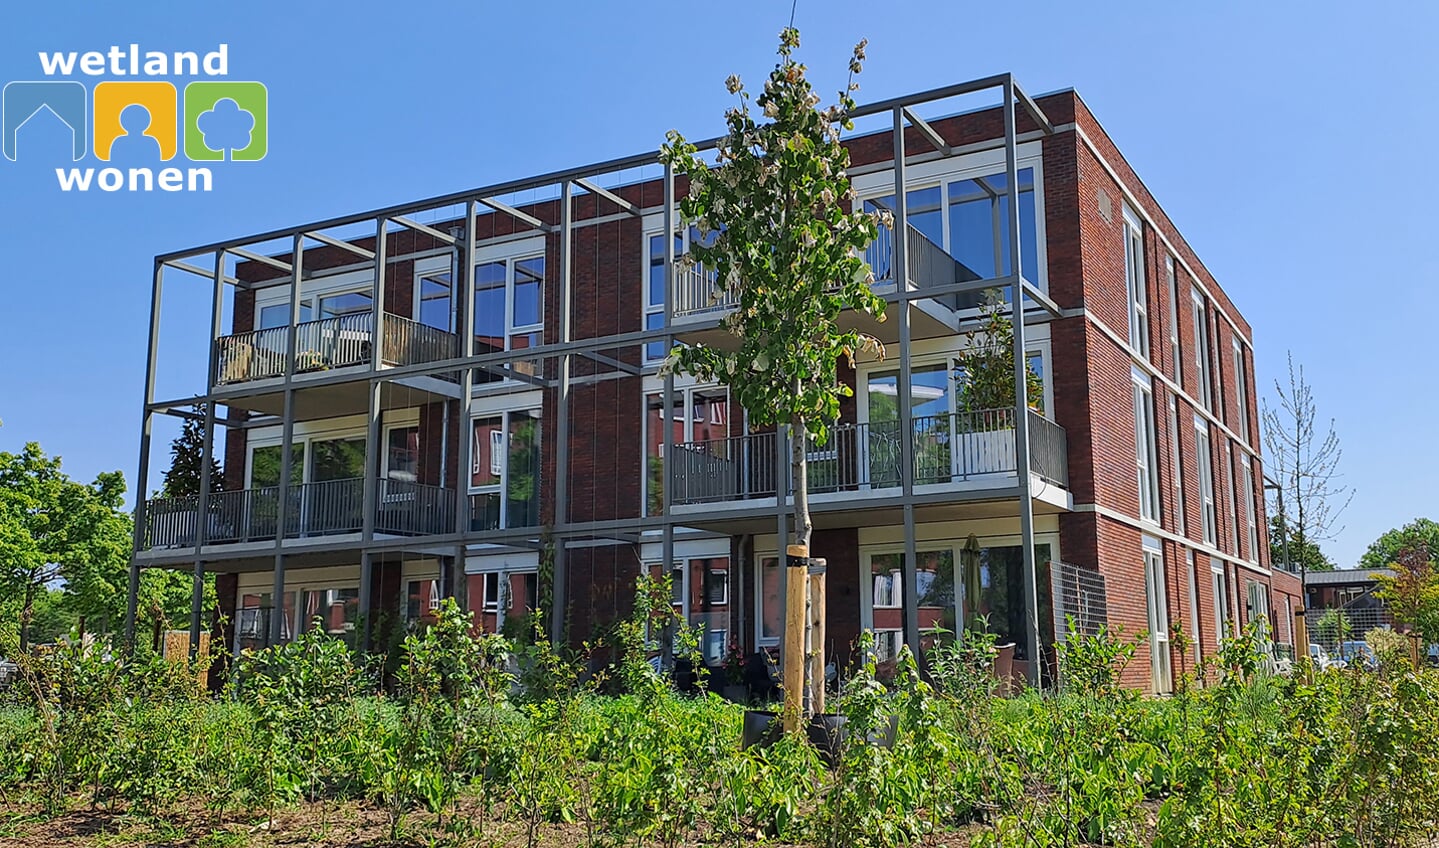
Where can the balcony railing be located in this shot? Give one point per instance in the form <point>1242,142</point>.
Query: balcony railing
<point>947,448</point>
<point>321,508</point>
<point>696,292</point>
<point>336,342</point>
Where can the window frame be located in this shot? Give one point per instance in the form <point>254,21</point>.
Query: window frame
<point>510,254</point>
<point>687,394</point>
<point>1199,310</point>
<point>1146,448</point>
<point>1241,388</point>
<point>1136,286</point>
<point>1176,350</point>
<point>502,486</point>
<point>1204,456</point>
<point>1181,521</point>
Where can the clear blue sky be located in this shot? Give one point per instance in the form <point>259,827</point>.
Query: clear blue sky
<point>1287,140</point>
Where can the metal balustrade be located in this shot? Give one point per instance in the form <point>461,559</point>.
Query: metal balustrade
<point>339,341</point>
<point>312,509</point>
<point>947,448</point>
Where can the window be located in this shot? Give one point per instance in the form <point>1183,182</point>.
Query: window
<point>1241,389</point>
<point>1145,451</point>
<point>434,299</point>
<point>278,315</point>
<point>1221,603</point>
<point>698,422</point>
<point>1192,571</point>
<point>1201,347</point>
<point>509,307</point>
<point>1256,606</point>
<point>1156,593</point>
<point>1135,283</point>
<point>1176,368</point>
<point>654,303</point>
<point>492,592</point>
<point>716,586</point>
<point>887,581</point>
<point>1205,457</point>
<point>964,220</point>
<point>402,454</point>
<point>347,303</point>
<point>1251,522</point>
<point>769,614</point>
<point>1177,478</point>
<point>1231,502</point>
<point>505,471</point>
<point>421,596</point>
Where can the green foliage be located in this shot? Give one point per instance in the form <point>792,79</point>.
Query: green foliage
<point>1344,758</point>
<point>1302,552</point>
<point>984,368</point>
<point>55,530</point>
<point>1420,533</point>
<point>780,235</point>
<point>186,459</point>
<point>1412,591</point>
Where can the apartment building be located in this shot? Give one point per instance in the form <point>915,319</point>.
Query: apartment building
<point>462,397</point>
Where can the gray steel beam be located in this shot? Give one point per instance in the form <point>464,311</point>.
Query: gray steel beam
<point>516,214</point>
<point>667,535</point>
<point>610,196</point>
<point>207,448</point>
<point>464,327</point>
<point>200,272</point>
<point>342,245</point>
<point>1021,394</point>
<point>263,259</point>
<point>1030,106</point>
<point>142,475</point>
<point>910,574</point>
<point>929,132</point>
<point>433,233</point>
<point>370,497</point>
<point>367,598</point>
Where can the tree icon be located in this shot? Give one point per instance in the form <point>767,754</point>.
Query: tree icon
<point>226,121</point>
<point>226,127</point>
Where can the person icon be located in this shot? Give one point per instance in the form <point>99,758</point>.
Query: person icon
<point>135,145</point>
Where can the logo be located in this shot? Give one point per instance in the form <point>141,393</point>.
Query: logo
<point>134,124</point>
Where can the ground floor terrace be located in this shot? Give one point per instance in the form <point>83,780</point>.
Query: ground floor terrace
<point>1092,571</point>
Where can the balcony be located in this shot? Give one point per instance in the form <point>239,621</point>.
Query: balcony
<point>972,449</point>
<point>339,341</point>
<point>697,297</point>
<point>328,508</point>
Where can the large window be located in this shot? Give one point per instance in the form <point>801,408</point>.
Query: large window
<point>1204,455</point>
<point>505,471</point>
<point>1176,366</point>
<point>654,303</point>
<point>1177,457</point>
<point>966,221</point>
<point>1201,346</point>
<point>434,295</point>
<point>1145,448</point>
<point>1251,525</point>
<point>698,421</point>
<point>1135,283</point>
<point>509,308</point>
<point>1241,388</point>
<point>1221,601</point>
<point>1231,502</point>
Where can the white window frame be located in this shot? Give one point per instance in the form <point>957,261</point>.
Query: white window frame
<point>434,267</point>
<point>511,254</point>
<point>1177,457</point>
<point>1241,388</point>
<point>1156,597</point>
<point>1231,502</point>
<point>1135,283</point>
<point>1251,522</point>
<point>1199,310</point>
<point>1146,452</point>
<point>1220,587</point>
<point>502,487</point>
<point>1204,456</point>
<point>687,394</point>
<point>942,172</point>
<point>1172,283</point>
<point>1192,570</point>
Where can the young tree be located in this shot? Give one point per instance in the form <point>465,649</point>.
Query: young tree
<point>1308,556</point>
<point>984,369</point>
<point>53,530</point>
<point>186,456</point>
<point>1305,462</point>
<point>782,237</point>
<point>1421,532</point>
<point>1412,593</point>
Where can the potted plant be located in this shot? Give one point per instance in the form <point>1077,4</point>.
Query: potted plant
<point>732,671</point>
<point>984,393</point>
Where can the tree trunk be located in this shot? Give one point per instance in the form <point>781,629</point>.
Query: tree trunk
<point>27,612</point>
<point>797,578</point>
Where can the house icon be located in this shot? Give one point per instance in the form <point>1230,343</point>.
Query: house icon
<point>65,100</point>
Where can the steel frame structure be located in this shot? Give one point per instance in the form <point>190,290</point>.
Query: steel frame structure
<point>462,245</point>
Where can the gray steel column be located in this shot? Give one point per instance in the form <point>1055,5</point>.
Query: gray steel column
<point>1021,385</point>
<point>142,475</point>
<point>367,571</point>
<point>667,537</point>
<point>287,440</point>
<point>906,394</point>
<point>370,497</point>
<point>202,531</point>
<point>464,329</point>
<point>560,575</point>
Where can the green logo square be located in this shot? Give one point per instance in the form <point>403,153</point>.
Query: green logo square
<point>209,103</point>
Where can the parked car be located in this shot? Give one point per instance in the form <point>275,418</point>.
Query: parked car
<point>1358,652</point>
<point>8,673</point>
<point>1322,659</point>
